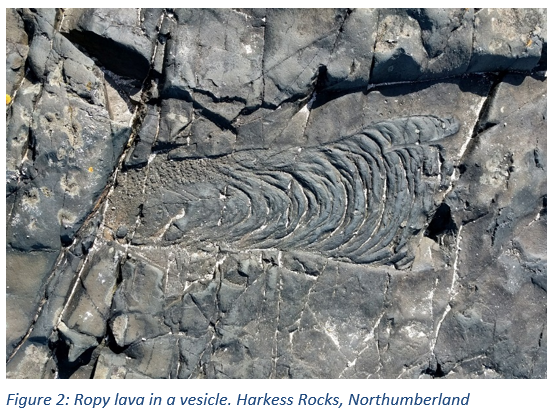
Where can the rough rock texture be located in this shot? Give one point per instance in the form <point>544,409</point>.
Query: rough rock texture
<point>263,193</point>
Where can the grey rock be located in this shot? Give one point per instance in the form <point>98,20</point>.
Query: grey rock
<point>78,342</point>
<point>442,48</point>
<point>32,363</point>
<point>206,140</point>
<point>506,101</point>
<point>25,281</point>
<point>265,129</point>
<point>121,232</point>
<point>91,302</point>
<point>175,123</point>
<point>512,198</point>
<point>154,358</point>
<point>130,328</point>
<point>353,51</point>
<point>62,148</point>
<point>119,38</point>
<point>276,193</point>
<point>141,289</point>
<point>17,48</point>
<point>19,146</point>
<point>110,366</point>
<point>42,22</point>
<point>447,39</point>
<point>146,137</point>
<point>507,39</point>
<point>215,59</point>
<point>332,196</point>
<point>397,57</point>
<point>297,43</point>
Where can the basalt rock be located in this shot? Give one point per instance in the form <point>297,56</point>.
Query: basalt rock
<point>264,193</point>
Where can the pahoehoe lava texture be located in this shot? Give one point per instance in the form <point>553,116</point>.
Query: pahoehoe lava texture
<point>359,198</point>
<point>276,193</point>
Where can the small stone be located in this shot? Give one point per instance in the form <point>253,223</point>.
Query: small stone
<point>121,232</point>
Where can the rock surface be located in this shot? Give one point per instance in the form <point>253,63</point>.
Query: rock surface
<point>264,193</point>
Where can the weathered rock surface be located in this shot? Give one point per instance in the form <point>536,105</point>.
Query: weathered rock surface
<point>263,193</point>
